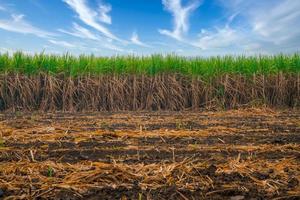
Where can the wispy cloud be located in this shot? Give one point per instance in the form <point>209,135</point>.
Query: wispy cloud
<point>11,51</point>
<point>91,17</point>
<point>135,40</point>
<point>271,24</point>
<point>6,50</point>
<point>279,23</point>
<point>113,47</point>
<point>62,43</point>
<point>108,46</point>
<point>180,15</point>
<point>18,24</point>
<point>81,32</point>
<point>219,38</point>
<point>103,13</point>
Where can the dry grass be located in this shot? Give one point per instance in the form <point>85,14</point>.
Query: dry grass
<point>34,179</point>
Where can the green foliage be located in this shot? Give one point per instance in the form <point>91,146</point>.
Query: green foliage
<point>150,65</point>
<point>1,142</point>
<point>50,172</point>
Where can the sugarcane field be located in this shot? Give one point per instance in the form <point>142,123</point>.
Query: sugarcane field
<point>149,100</point>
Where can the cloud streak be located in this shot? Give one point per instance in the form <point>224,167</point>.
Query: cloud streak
<point>18,24</point>
<point>62,43</point>
<point>273,30</point>
<point>92,18</point>
<point>180,15</point>
<point>135,40</point>
<point>81,32</point>
<point>220,38</point>
<point>103,13</point>
<point>279,24</point>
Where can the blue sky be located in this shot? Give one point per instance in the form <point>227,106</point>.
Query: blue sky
<point>142,27</point>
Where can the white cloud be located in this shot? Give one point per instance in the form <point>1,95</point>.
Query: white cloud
<point>220,38</point>
<point>272,25</point>
<point>113,47</point>
<point>135,40</point>
<point>6,50</point>
<point>280,23</point>
<point>103,13</point>
<point>11,51</point>
<point>18,24</point>
<point>81,32</point>
<point>180,15</point>
<point>62,43</point>
<point>91,17</point>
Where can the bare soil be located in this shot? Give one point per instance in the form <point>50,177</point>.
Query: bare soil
<point>238,154</point>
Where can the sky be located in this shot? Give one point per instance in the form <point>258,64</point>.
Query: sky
<point>144,27</point>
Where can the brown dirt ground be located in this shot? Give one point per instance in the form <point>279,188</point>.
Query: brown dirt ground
<point>238,154</point>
